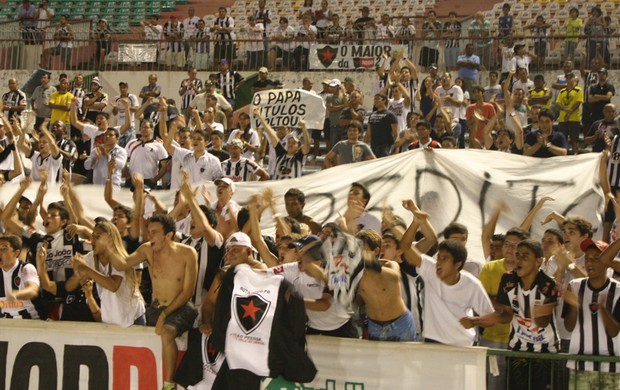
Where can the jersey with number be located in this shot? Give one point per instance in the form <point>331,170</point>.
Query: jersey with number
<point>16,279</point>
<point>525,334</point>
<point>613,166</point>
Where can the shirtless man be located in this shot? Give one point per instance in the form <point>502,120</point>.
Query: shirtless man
<point>388,317</point>
<point>174,270</point>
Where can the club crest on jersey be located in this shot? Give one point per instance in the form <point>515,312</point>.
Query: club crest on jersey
<point>17,280</point>
<point>250,311</point>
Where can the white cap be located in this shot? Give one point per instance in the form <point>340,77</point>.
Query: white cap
<point>334,83</point>
<point>227,181</point>
<point>239,239</point>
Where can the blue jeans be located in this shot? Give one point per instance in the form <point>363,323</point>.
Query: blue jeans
<point>401,329</point>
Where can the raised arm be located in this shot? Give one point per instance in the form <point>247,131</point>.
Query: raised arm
<point>268,258</point>
<point>75,122</point>
<point>489,228</point>
<point>529,219</point>
<point>202,223</point>
<point>306,135</point>
<point>269,132</point>
<point>109,282</point>
<point>411,253</point>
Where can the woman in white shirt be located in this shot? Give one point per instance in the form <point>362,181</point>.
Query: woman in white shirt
<point>121,302</point>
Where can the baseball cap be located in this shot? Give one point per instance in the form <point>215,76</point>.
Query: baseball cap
<point>236,142</point>
<point>239,239</point>
<point>602,70</point>
<point>224,61</point>
<point>310,245</point>
<point>95,80</point>
<point>588,243</point>
<point>103,20</point>
<point>334,83</point>
<point>228,181</point>
<point>174,16</point>
<point>326,81</point>
<point>263,70</point>
<point>348,79</point>
<point>365,9</point>
<point>433,66</point>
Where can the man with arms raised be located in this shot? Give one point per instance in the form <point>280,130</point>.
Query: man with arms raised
<point>173,268</point>
<point>451,296</point>
<point>388,317</point>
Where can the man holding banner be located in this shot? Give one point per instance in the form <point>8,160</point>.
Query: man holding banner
<point>290,161</point>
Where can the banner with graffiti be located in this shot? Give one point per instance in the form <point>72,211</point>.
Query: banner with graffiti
<point>351,57</point>
<point>450,185</point>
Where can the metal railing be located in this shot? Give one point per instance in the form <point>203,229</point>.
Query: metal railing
<point>549,368</point>
<point>128,50</point>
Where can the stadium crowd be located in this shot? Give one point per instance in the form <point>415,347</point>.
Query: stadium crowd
<point>163,266</point>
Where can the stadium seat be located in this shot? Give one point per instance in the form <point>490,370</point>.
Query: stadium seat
<point>554,58</point>
<point>168,5</point>
<point>535,8</point>
<point>517,8</point>
<point>608,7</point>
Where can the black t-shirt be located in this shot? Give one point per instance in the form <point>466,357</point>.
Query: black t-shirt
<point>381,122</point>
<point>597,107</point>
<point>609,128</point>
<point>222,155</point>
<point>74,305</point>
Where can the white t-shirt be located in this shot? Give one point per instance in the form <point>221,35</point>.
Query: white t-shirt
<point>120,107</point>
<point>445,305</point>
<point>121,307</point>
<point>252,139</point>
<point>455,92</point>
<point>49,163</point>
<point>206,168</point>
<point>401,111</point>
<point>333,318</point>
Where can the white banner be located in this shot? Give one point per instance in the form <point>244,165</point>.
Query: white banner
<point>451,185</point>
<point>72,355</point>
<point>284,107</point>
<point>137,52</point>
<point>351,57</point>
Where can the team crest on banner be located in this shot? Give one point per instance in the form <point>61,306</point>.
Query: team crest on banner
<point>250,311</point>
<point>327,55</point>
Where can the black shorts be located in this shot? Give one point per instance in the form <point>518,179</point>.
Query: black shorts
<point>181,319</point>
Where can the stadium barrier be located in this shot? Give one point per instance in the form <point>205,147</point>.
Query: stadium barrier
<point>71,355</point>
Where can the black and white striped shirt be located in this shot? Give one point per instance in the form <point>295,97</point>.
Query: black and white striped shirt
<point>228,82</point>
<point>222,35</point>
<point>14,99</point>
<point>613,166</point>
<point>175,33</point>
<point>589,336</point>
<point>202,46</point>
<point>288,167</point>
<point>241,170</point>
<point>190,93</point>
<point>525,334</point>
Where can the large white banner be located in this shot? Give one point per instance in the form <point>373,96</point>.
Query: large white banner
<point>77,355</point>
<point>285,107</point>
<point>451,185</point>
<point>352,57</point>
